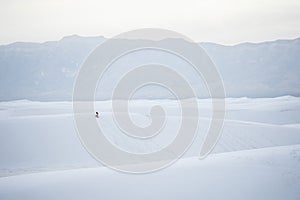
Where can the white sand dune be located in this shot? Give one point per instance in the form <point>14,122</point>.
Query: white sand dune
<point>267,173</point>
<point>257,156</point>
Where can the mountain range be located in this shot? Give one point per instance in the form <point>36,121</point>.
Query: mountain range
<point>47,71</point>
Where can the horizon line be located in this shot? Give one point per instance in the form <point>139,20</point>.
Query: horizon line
<point>105,38</point>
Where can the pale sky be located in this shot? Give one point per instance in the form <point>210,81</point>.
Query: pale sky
<point>225,22</point>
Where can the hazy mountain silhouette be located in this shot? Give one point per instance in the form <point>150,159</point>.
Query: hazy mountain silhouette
<point>46,71</point>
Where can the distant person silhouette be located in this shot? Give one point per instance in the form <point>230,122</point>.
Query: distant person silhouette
<point>97,115</point>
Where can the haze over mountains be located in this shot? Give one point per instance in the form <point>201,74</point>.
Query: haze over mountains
<point>47,71</point>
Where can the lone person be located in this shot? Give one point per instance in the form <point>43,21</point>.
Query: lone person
<point>97,115</point>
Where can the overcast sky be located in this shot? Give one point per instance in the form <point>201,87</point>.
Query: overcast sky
<point>225,22</point>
